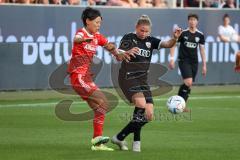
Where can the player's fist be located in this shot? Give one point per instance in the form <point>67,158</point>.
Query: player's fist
<point>204,70</point>
<point>133,51</point>
<point>123,57</point>
<point>237,65</point>
<point>171,64</point>
<point>88,40</point>
<point>177,32</point>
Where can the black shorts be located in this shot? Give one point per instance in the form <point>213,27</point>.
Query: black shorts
<point>188,69</point>
<point>134,82</point>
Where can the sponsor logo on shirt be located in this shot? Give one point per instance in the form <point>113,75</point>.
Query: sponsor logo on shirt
<point>190,44</point>
<point>144,53</point>
<point>90,47</point>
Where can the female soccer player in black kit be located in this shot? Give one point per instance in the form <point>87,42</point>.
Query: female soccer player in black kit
<point>133,78</point>
<point>189,41</point>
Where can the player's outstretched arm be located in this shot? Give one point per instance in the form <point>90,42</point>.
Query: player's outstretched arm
<point>203,56</point>
<point>79,39</point>
<point>171,62</point>
<point>170,43</point>
<point>119,54</point>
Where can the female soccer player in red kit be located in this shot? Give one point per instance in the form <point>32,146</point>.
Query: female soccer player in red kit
<point>86,41</point>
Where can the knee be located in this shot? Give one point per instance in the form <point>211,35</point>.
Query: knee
<point>140,104</point>
<point>149,112</point>
<point>150,117</point>
<point>188,83</point>
<point>100,102</point>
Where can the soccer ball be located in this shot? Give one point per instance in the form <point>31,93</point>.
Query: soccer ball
<point>176,104</point>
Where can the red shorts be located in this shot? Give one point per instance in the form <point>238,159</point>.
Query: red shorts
<point>83,84</point>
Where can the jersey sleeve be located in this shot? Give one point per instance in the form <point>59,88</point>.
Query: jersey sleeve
<point>126,43</point>
<point>156,43</point>
<point>202,39</point>
<point>79,34</point>
<point>102,41</point>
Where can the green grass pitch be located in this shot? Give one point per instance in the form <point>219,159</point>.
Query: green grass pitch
<point>30,130</point>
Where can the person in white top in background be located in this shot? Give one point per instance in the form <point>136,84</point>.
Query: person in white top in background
<point>226,32</point>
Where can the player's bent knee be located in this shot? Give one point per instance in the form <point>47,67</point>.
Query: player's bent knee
<point>150,117</point>
<point>140,104</point>
<point>188,83</point>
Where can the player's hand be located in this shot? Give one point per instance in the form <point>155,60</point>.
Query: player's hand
<point>204,70</point>
<point>177,32</point>
<point>132,52</point>
<point>88,40</point>
<point>149,113</point>
<point>171,64</point>
<point>123,57</point>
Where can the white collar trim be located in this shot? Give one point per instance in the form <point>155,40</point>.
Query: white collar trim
<point>89,35</point>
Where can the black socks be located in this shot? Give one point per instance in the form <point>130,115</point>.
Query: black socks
<point>184,92</point>
<point>134,126</point>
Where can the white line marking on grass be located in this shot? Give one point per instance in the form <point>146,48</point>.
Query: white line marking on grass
<point>50,104</point>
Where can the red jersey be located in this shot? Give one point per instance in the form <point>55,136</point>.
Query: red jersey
<point>82,53</point>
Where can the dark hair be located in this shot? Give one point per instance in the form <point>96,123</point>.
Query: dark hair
<point>192,15</point>
<point>226,16</point>
<point>91,14</point>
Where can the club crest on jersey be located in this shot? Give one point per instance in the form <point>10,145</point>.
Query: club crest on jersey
<point>95,41</point>
<point>197,39</point>
<point>148,44</point>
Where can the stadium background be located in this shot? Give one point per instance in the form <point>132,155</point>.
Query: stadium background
<point>37,40</point>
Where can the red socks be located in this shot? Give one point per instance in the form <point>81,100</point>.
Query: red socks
<point>98,121</point>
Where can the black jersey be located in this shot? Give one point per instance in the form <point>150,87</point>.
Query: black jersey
<point>143,58</point>
<point>189,43</point>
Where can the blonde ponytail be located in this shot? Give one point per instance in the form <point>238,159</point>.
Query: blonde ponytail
<point>144,19</point>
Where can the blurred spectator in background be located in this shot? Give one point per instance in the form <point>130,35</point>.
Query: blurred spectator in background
<point>160,3</point>
<point>153,3</point>
<point>55,2</point>
<point>123,3</point>
<point>62,2</point>
<point>97,2</point>
<point>71,2</point>
<point>226,32</point>
<point>172,3</point>
<point>229,4</point>
<point>136,3</point>
<point>191,3</point>
<point>43,1</point>
<point>212,3</point>
<point>146,3</point>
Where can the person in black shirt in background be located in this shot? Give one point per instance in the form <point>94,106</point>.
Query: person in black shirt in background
<point>189,40</point>
<point>133,78</point>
